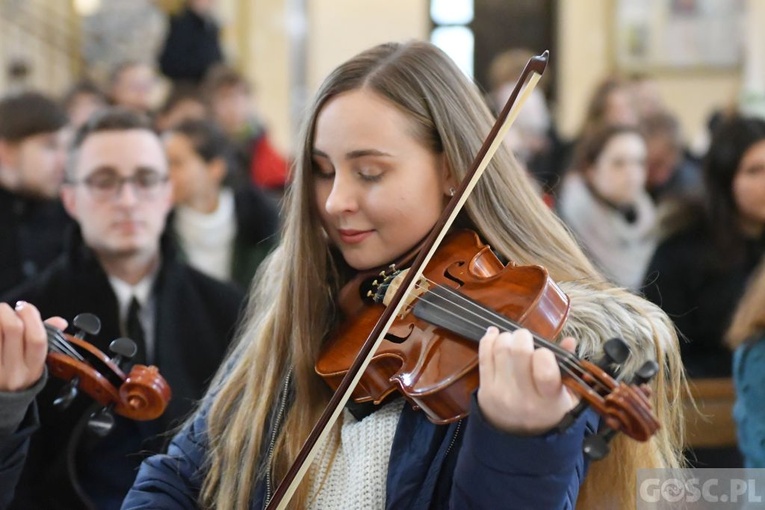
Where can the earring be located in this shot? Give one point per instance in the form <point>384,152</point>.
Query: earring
<point>451,192</point>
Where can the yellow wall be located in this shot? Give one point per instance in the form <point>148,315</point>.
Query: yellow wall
<point>585,56</point>
<point>338,29</point>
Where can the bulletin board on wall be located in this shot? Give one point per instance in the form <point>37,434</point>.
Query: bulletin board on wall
<point>678,35</point>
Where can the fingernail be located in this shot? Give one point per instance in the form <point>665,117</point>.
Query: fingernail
<point>20,305</point>
<point>493,330</point>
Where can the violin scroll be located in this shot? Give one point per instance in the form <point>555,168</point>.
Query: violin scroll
<point>143,394</point>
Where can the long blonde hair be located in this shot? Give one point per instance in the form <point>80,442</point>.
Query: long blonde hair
<point>292,305</point>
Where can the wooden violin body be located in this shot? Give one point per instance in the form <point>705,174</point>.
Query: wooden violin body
<point>434,367</point>
<point>430,352</point>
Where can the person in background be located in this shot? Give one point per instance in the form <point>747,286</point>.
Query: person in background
<point>700,270</point>
<point>120,267</point>
<point>32,154</point>
<point>610,103</point>
<point>746,336</point>
<point>192,45</point>
<point>228,95</point>
<point>532,137</point>
<point>646,95</point>
<point>604,202</point>
<point>133,85</point>
<point>81,101</point>
<point>183,102</point>
<point>671,175</point>
<point>223,232</point>
<point>387,140</point>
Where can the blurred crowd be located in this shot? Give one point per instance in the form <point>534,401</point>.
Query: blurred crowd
<point>685,228</point>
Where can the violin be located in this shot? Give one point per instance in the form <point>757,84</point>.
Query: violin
<point>430,352</point>
<point>438,306</point>
<point>142,394</point>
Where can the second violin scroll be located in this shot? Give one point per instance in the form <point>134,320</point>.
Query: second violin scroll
<point>142,394</point>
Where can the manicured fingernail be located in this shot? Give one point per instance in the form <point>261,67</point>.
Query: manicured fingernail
<point>20,305</point>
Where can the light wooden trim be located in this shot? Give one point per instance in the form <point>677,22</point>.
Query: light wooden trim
<point>712,425</point>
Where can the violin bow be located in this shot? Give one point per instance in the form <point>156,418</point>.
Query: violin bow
<point>526,83</point>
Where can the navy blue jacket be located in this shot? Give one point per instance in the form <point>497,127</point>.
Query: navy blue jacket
<point>468,464</point>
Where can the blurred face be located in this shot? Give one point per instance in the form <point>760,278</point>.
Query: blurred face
<point>202,6</point>
<point>378,189</point>
<point>134,88</point>
<point>186,109</point>
<point>191,176</point>
<point>231,108</point>
<point>647,98</point>
<point>619,173</point>
<point>749,185</point>
<point>126,219</point>
<point>38,164</point>
<point>662,159</point>
<point>620,108</point>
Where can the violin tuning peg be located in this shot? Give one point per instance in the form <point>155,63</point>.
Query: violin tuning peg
<point>123,349</point>
<point>87,323</point>
<point>370,294</point>
<point>67,395</point>
<point>646,372</point>
<point>616,350</point>
<point>375,283</point>
<point>392,267</point>
<point>101,422</point>
<point>597,446</point>
<point>382,273</point>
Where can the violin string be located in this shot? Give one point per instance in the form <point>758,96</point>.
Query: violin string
<point>567,361</point>
<point>509,323</point>
<point>501,321</point>
<point>60,345</point>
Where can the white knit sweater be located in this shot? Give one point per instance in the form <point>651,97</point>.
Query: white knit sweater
<point>356,478</point>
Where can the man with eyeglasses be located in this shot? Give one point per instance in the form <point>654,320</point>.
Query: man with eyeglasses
<point>32,154</point>
<point>120,267</point>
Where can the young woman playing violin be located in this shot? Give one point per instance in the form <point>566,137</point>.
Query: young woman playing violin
<point>387,141</point>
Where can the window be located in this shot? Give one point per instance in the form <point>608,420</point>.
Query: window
<point>452,33</point>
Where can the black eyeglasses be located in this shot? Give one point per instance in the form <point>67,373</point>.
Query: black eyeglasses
<point>108,185</point>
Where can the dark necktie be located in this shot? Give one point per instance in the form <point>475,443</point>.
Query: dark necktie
<point>134,331</point>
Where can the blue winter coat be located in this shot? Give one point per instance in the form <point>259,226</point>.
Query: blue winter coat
<point>748,411</point>
<point>468,464</point>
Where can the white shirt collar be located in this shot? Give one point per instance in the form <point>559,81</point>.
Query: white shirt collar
<point>125,292</point>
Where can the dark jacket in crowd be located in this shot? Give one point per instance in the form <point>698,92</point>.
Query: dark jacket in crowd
<point>257,231</point>
<point>191,48</point>
<point>699,292</point>
<point>195,316</point>
<point>31,236</point>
